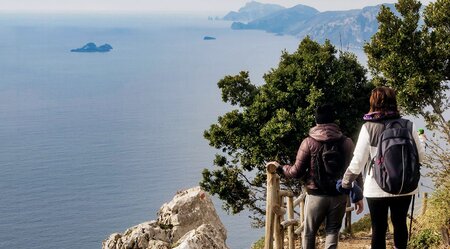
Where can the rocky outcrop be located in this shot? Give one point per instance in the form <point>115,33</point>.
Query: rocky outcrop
<point>205,236</point>
<point>189,221</point>
<point>91,47</point>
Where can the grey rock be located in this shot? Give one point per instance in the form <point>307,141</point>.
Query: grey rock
<point>188,210</point>
<point>189,220</point>
<point>206,236</point>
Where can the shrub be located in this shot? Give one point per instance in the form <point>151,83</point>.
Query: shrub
<point>424,239</point>
<point>259,244</point>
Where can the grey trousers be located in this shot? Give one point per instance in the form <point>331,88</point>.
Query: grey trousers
<point>330,209</point>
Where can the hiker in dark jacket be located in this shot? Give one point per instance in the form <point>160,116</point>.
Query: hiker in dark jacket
<point>321,204</point>
<point>383,109</point>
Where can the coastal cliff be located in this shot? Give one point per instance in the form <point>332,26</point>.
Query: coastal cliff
<point>188,221</point>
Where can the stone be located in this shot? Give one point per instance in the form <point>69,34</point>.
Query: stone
<point>158,244</point>
<point>188,210</point>
<point>188,221</point>
<point>206,236</point>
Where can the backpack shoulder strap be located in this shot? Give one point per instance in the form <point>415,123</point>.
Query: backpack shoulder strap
<point>403,123</point>
<point>409,125</point>
<point>319,147</point>
<point>340,142</point>
<point>343,138</point>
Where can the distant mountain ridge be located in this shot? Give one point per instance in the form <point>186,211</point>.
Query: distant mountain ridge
<point>280,21</point>
<point>344,28</point>
<point>251,11</point>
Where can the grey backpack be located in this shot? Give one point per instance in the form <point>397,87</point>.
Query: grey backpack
<point>396,166</point>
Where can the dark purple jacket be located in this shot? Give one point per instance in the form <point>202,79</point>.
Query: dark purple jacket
<point>303,166</point>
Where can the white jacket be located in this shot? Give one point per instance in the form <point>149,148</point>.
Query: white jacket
<point>361,154</point>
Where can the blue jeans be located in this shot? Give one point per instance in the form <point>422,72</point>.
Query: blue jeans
<point>318,209</point>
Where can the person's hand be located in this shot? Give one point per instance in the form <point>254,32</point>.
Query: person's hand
<point>356,193</point>
<point>341,189</point>
<point>279,168</point>
<point>359,206</point>
<point>274,162</point>
<point>280,171</point>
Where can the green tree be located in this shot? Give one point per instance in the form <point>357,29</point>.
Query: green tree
<point>412,56</point>
<point>272,119</point>
<point>414,59</point>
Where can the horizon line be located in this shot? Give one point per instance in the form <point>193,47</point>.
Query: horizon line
<point>212,13</point>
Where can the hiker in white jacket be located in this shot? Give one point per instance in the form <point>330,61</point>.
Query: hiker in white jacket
<point>383,109</point>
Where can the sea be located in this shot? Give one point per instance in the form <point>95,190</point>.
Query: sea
<point>94,143</point>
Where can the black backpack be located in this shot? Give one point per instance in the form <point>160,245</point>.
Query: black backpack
<point>396,166</point>
<point>329,165</point>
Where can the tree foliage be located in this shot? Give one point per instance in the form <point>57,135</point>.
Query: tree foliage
<point>272,119</point>
<point>414,59</point>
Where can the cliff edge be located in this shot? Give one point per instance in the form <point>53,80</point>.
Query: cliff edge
<point>188,221</point>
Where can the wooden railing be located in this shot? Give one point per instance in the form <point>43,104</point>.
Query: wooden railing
<point>280,203</point>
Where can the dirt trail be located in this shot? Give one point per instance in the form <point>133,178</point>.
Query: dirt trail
<point>358,241</point>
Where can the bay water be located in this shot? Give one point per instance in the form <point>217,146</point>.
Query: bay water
<point>94,143</point>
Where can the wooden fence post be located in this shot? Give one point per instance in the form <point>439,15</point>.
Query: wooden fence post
<point>290,208</point>
<point>277,202</point>
<point>270,201</point>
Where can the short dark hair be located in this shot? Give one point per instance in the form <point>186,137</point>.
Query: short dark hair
<point>383,99</point>
<point>325,114</point>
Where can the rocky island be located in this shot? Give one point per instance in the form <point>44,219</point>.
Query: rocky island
<point>91,47</point>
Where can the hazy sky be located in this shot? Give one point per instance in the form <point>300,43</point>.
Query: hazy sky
<point>173,5</point>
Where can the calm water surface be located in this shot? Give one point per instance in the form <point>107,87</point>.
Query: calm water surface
<point>92,144</point>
